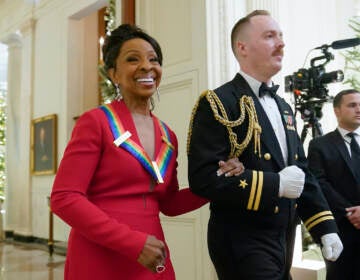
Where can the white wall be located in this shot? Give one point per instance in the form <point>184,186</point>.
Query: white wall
<point>308,24</point>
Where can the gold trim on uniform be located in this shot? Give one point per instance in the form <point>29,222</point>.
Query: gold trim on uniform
<point>252,191</point>
<point>259,190</point>
<point>318,218</point>
<point>243,184</point>
<point>247,109</point>
<point>267,156</point>
<point>246,105</point>
<point>193,112</point>
<point>318,221</point>
<point>256,190</point>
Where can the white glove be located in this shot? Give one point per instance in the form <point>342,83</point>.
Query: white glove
<point>332,246</point>
<point>292,180</point>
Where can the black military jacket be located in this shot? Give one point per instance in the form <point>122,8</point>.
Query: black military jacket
<point>252,198</point>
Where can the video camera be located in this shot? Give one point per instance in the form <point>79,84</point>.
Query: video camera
<point>310,85</point>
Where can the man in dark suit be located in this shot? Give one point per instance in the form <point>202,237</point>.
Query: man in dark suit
<point>253,216</point>
<point>335,160</point>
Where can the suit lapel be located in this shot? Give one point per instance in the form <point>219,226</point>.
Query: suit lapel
<point>339,143</point>
<point>268,137</point>
<point>288,121</point>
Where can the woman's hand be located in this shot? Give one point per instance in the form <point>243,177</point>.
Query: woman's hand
<point>231,167</point>
<point>153,254</point>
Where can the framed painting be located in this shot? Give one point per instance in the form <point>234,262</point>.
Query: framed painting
<point>43,158</point>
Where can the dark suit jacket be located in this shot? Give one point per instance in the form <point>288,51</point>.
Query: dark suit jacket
<point>253,196</point>
<point>329,160</point>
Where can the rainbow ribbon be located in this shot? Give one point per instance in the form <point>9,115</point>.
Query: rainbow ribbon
<point>157,168</point>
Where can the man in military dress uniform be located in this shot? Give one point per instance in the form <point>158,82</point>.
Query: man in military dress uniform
<point>253,216</point>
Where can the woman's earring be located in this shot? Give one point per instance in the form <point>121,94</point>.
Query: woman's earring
<point>158,94</point>
<point>118,96</point>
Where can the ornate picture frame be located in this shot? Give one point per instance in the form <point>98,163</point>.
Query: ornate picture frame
<point>43,149</point>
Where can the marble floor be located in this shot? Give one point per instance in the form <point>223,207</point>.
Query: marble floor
<point>29,262</point>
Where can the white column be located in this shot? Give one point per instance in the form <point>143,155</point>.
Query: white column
<point>273,6</point>
<point>19,106</point>
<point>357,8</point>
<point>25,105</point>
<point>13,41</point>
<point>221,17</point>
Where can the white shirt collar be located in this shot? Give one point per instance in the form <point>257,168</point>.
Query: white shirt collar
<point>343,131</point>
<point>253,83</point>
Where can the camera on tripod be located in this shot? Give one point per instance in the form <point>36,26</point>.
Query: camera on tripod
<point>312,81</point>
<point>309,86</point>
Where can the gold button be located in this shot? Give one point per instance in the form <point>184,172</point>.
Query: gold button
<point>267,156</point>
<point>296,156</point>
<point>276,210</point>
<point>295,205</point>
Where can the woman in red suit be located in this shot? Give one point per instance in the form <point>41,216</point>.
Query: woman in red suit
<point>118,173</point>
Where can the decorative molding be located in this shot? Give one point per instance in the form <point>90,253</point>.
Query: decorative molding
<point>41,243</point>
<point>9,234</point>
<point>12,40</point>
<point>23,238</point>
<point>189,78</point>
<point>27,26</point>
<point>45,6</point>
<point>175,85</point>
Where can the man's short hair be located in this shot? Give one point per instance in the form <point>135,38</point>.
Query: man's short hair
<point>239,26</point>
<point>338,98</point>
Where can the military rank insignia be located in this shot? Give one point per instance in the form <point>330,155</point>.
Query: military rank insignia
<point>289,120</point>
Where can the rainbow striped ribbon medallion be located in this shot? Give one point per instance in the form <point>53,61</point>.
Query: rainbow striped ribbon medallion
<point>157,168</point>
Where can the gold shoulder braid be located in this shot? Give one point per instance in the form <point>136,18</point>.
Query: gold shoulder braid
<point>193,112</point>
<point>246,105</point>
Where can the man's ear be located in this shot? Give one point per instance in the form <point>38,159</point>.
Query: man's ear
<point>240,48</point>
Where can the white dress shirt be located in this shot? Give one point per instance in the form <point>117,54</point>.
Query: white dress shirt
<point>347,138</point>
<point>272,111</point>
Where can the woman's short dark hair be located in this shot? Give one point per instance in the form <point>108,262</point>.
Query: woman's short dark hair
<point>119,36</point>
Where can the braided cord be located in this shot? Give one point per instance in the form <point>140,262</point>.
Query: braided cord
<point>246,105</point>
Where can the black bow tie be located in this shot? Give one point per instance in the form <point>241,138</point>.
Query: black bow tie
<point>265,89</point>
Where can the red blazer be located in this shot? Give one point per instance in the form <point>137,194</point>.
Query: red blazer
<point>103,193</point>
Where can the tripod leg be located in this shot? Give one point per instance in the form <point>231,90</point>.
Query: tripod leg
<point>304,132</point>
<point>317,129</point>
